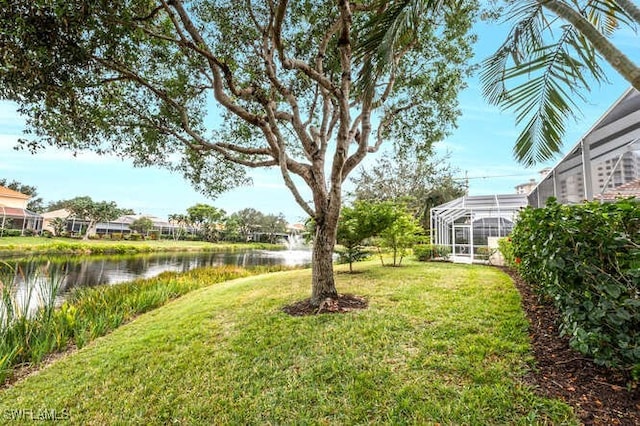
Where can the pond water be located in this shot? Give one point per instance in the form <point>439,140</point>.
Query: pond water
<point>89,271</point>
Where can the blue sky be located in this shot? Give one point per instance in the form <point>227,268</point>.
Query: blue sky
<point>481,147</point>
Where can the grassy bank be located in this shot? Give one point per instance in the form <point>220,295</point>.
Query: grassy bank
<point>29,246</point>
<point>89,312</point>
<point>440,343</point>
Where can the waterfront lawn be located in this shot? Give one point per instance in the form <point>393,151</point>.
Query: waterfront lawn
<point>91,312</point>
<point>439,343</point>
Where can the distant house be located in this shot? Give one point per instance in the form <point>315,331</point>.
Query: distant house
<point>14,214</point>
<point>48,217</point>
<point>526,188</point>
<point>627,190</point>
<point>121,225</point>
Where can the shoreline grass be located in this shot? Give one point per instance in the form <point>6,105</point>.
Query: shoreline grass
<point>89,313</point>
<point>439,343</point>
<point>13,247</point>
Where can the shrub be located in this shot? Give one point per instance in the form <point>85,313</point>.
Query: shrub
<point>586,259</point>
<point>425,252</point>
<point>483,253</point>
<point>505,246</point>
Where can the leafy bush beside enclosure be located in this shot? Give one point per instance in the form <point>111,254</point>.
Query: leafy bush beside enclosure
<point>425,252</point>
<point>505,246</point>
<point>586,258</point>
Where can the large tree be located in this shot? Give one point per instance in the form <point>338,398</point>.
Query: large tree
<point>245,222</point>
<point>93,212</point>
<point>206,219</point>
<point>272,225</point>
<point>138,78</point>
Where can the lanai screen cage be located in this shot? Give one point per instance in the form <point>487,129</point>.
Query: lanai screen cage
<point>466,223</point>
<point>604,164</point>
<point>20,219</point>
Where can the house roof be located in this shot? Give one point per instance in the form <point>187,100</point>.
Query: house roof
<point>482,206</point>
<point>63,213</point>
<point>16,212</point>
<point>629,189</point>
<point>130,218</point>
<point>10,193</point>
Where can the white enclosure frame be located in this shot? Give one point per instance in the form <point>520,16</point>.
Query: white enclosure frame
<point>606,158</point>
<point>464,223</point>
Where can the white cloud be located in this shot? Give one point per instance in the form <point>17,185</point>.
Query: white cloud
<point>9,117</point>
<point>49,154</point>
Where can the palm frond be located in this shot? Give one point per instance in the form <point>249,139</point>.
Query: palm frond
<point>541,80</point>
<point>525,36</point>
<point>387,33</point>
<point>606,15</point>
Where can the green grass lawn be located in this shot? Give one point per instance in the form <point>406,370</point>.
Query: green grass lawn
<point>439,343</point>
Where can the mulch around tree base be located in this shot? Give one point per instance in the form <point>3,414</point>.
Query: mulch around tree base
<point>598,395</point>
<point>344,303</point>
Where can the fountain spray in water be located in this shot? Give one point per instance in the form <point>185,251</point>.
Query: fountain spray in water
<point>294,242</point>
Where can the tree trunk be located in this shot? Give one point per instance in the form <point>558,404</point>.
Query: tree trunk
<point>322,283</point>
<point>90,228</point>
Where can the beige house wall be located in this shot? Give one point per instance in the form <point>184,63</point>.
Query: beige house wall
<point>49,216</point>
<point>13,202</point>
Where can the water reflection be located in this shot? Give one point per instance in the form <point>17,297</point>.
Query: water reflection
<point>93,271</point>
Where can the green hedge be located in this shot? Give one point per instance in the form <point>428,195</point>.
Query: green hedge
<point>425,252</point>
<point>586,259</point>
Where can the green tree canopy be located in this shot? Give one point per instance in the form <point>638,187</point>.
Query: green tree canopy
<point>365,219</point>
<point>419,183</point>
<point>141,225</point>
<point>272,225</point>
<point>246,221</point>
<point>94,212</point>
<point>206,219</point>
<point>137,78</point>
<point>401,234</point>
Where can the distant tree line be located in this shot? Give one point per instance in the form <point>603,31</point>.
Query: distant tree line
<point>201,221</point>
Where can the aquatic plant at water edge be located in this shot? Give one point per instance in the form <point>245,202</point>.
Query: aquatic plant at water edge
<point>92,312</point>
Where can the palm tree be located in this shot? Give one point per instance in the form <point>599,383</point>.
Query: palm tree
<point>551,56</point>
